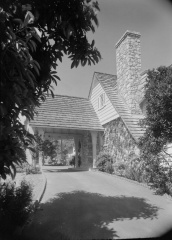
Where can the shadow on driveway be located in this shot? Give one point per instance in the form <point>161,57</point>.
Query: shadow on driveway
<point>63,170</point>
<point>81,214</point>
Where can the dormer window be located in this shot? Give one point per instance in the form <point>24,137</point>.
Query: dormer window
<point>101,101</point>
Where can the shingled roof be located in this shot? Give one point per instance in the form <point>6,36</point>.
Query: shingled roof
<point>67,112</point>
<point>109,84</point>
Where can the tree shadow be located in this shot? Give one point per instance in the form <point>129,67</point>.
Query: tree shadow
<point>85,215</point>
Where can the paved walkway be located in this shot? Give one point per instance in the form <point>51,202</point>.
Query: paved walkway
<point>92,205</point>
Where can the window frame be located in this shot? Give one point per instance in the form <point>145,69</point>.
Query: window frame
<point>101,101</point>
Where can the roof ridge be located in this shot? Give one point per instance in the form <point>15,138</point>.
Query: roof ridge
<point>67,96</point>
<point>106,73</point>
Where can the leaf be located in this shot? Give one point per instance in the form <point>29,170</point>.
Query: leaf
<point>52,94</point>
<point>73,64</point>
<point>55,76</point>
<point>54,65</point>
<point>60,58</point>
<point>37,64</point>
<point>30,46</point>
<point>77,63</point>
<point>53,72</point>
<point>33,44</point>
<point>35,68</point>
<point>32,75</point>
<point>34,34</point>
<point>30,80</point>
<point>83,62</point>
<point>92,60</point>
<point>92,44</point>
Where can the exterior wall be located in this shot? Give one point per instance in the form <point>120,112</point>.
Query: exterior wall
<point>107,113</point>
<point>128,59</point>
<point>140,88</point>
<point>87,150</point>
<point>118,141</point>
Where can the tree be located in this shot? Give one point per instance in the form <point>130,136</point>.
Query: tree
<point>48,148</point>
<point>158,123</point>
<point>34,36</point>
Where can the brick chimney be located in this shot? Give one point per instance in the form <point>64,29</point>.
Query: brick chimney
<point>128,60</point>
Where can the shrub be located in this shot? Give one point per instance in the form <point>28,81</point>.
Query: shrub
<point>15,205</point>
<point>33,170</point>
<point>160,176</point>
<point>104,162</point>
<point>133,169</point>
<point>119,168</point>
<point>21,168</point>
<point>72,161</point>
<point>109,167</point>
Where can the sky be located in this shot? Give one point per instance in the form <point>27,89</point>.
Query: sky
<point>152,18</point>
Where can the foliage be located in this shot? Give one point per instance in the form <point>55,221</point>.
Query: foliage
<point>119,168</point>
<point>22,167</point>
<point>132,169</point>
<point>47,147</point>
<point>67,144</point>
<point>158,173</point>
<point>35,34</point>
<point>72,161</point>
<point>158,124</point>
<point>104,162</point>
<point>158,121</point>
<point>33,170</point>
<point>15,205</point>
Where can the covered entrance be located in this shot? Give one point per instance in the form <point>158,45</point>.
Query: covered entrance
<point>64,117</point>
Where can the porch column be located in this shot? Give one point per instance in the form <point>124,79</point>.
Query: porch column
<point>76,139</point>
<point>101,141</point>
<point>82,162</point>
<point>94,143</point>
<point>61,150</point>
<point>41,133</point>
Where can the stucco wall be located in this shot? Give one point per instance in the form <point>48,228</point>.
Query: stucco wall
<point>118,141</point>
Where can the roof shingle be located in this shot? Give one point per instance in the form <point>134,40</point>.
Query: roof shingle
<point>67,112</point>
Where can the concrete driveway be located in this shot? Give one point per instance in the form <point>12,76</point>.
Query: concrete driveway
<point>92,205</point>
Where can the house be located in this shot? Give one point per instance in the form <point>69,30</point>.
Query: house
<point>117,99</point>
<point>109,117</point>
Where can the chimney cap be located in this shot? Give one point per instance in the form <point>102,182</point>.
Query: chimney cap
<point>127,33</point>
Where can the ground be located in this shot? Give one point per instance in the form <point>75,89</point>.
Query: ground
<point>93,205</point>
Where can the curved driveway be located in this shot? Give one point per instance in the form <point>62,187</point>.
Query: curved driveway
<point>93,205</point>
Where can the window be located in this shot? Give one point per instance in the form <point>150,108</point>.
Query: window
<point>101,101</point>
